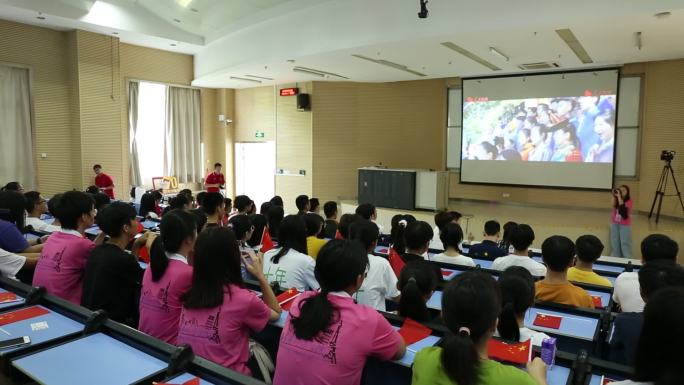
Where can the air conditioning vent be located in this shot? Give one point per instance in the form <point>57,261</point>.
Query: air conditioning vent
<point>538,66</point>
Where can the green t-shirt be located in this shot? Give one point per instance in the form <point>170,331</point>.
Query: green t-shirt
<point>427,370</point>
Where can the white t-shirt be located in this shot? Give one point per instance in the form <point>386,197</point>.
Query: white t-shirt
<point>40,225</point>
<point>627,292</point>
<point>293,270</point>
<point>458,260</point>
<point>380,283</point>
<point>503,263</point>
<point>526,334</point>
<point>10,263</point>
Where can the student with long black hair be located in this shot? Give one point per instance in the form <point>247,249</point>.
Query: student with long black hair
<point>259,223</point>
<point>621,223</point>
<point>517,296</point>
<point>327,338</point>
<point>243,229</point>
<point>148,206</point>
<point>168,277</point>
<point>288,264</point>
<point>659,360</point>
<point>417,238</point>
<point>12,223</point>
<point>470,307</point>
<point>416,283</point>
<point>218,311</point>
<point>274,216</point>
<point>399,224</point>
<point>505,243</point>
<point>345,221</point>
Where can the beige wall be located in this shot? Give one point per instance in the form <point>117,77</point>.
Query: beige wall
<point>401,125</point>
<point>44,51</point>
<point>80,101</point>
<point>254,111</point>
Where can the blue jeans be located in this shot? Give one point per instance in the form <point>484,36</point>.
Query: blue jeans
<point>621,240</point>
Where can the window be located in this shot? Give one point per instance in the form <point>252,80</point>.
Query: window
<point>628,120</point>
<point>150,133</point>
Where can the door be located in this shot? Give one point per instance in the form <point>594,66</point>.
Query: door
<point>255,164</point>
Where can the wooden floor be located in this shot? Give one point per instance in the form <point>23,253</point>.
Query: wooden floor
<point>546,221</point>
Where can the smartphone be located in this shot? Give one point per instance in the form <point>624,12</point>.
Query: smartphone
<point>15,342</point>
<point>138,235</point>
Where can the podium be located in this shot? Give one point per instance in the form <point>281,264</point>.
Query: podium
<point>390,188</point>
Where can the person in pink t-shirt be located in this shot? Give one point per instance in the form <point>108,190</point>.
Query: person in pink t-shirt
<point>169,276</point>
<point>327,337</point>
<point>64,256</point>
<point>621,226</point>
<point>218,312</point>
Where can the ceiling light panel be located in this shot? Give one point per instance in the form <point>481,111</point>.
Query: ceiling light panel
<point>388,63</point>
<point>571,40</point>
<point>470,55</point>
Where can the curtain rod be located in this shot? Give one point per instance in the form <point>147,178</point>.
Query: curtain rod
<point>166,84</point>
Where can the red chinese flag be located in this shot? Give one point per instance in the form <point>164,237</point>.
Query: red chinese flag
<point>286,298</point>
<point>605,380</point>
<point>266,241</point>
<point>22,314</point>
<point>547,321</point>
<point>338,235</point>
<point>194,381</point>
<point>395,261</point>
<point>7,297</point>
<point>413,331</point>
<point>597,301</point>
<point>517,353</point>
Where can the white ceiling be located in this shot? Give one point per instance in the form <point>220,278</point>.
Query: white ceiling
<point>234,38</point>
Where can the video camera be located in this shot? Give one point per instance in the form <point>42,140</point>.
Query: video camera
<point>667,155</point>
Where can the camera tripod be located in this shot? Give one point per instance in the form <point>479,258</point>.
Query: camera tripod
<point>662,187</point>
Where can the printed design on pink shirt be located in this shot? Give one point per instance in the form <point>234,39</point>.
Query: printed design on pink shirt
<point>160,301</point>
<point>55,261</point>
<point>191,327</point>
<point>278,276</point>
<point>324,345</point>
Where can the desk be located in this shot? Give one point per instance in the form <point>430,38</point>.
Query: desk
<point>30,236</point>
<point>95,359</point>
<point>149,224</point>
<point>605,297</point>
<point>411,350</point>
<point>143,265</point>
<point>93,230</point>
<point>5,305</point>
<point>573,325</point>
<point>383,250</point>
<point>186,377</point>
<point>435,302</point>
<point>58,326</point>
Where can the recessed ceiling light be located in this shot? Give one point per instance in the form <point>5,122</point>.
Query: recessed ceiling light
<point>177,20</point>
<point>184,3</point>
<point>662,15</point>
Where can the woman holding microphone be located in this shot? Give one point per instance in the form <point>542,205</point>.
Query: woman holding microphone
<point>621,227</point>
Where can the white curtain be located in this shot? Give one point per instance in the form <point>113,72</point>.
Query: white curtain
<point>16,151</point>
<point>182,138</point>
<point>135,178</point>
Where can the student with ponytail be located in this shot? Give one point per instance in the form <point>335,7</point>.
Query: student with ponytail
<point>399,223</point>
<point>218,311</point>
<point>327,337</point>
<point>289,265</point>
<point>168,277</point>
<point>470,307</point>
<point>417,282</point>
<point>517,295</point>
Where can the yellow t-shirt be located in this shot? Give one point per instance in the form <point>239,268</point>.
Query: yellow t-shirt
<point>577,275</point>
<point>314,245</point>
<point>565,293</point>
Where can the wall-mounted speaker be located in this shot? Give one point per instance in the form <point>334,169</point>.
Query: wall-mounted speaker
<point>303,102</point>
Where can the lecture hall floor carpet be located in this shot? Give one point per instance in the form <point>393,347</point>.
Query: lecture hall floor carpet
<point>546,221</point>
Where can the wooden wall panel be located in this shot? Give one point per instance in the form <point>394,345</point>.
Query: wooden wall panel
<point>43,50</point>
<point>293,148</point>
<point>254,111</point>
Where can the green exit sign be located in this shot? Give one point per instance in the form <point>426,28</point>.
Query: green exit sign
<point>259,134</point>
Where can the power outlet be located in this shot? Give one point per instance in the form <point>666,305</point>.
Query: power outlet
<point>506,195</point>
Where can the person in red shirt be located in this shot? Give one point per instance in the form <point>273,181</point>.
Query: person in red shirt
<point>104,181</point>
<point>215,180</point>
